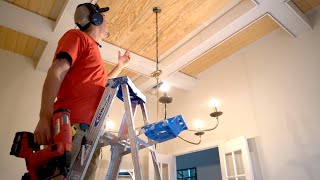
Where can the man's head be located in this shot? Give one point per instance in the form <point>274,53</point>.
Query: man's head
<point>89,17</point>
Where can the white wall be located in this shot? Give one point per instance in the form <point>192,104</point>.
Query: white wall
<point>269,90</point>
<point>20,93</point>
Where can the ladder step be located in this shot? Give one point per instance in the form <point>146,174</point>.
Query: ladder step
<point>136,96</point>
<point>165,129</point>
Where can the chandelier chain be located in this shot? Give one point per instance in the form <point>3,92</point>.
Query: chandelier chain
<point>157,41</point>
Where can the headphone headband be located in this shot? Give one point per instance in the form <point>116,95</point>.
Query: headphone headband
<point>95,16</point>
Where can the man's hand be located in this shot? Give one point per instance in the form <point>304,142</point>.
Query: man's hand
<point>124,59</point>
<point>43,131</point>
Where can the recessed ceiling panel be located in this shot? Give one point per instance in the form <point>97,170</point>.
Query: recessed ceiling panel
<point>306,5</point>
<point>46,8</point>
<point>250,34</point>
<point>20,43</point>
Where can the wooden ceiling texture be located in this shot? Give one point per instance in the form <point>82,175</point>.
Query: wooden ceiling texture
<point>248,35</point>
<point>20,43</point>
<point>306,5</point>
<point>132,26</point>
<point>132,22</point>
<point>46,8</point>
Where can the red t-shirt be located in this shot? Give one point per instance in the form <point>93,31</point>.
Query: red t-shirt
<point>83,85</point>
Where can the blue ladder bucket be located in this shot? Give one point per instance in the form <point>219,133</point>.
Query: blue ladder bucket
<point>165,129</point>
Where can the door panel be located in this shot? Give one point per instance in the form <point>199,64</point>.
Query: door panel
<point>235,160</point>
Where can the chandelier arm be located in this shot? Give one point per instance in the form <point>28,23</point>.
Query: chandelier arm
<point>194,143</point>
<point>210,129</point>
<point>165,110</point>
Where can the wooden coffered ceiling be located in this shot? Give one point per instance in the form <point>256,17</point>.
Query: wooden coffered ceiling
<point>248,35</point>
<point>193,34</point>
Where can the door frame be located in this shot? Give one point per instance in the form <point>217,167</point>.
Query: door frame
<point>171,161</point>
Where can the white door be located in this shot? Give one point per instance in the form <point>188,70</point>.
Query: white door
<point>235,160</point>
<point>167,164</point>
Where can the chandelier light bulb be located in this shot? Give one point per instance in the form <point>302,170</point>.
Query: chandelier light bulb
<point>214,103</point>
<point>198,124</point>
<point>109,125</point>
<point>164,87</point>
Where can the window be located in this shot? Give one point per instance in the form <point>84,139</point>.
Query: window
<point>187,174</point>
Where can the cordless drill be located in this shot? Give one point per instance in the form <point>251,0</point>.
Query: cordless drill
<point>54,159</point>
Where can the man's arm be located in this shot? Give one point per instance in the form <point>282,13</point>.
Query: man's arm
<point>55,76</point>
<point>123,60</point>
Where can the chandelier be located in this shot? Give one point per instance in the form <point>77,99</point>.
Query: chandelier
<point>165,99</point>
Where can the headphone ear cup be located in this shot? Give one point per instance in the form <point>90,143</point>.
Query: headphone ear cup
<point>96,19</point>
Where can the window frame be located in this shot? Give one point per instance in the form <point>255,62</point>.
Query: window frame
<point>190,177</point>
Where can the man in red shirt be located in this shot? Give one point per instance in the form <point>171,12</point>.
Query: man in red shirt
<point>77,77</point>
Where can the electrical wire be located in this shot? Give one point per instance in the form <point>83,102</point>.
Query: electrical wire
<point>197,143</point>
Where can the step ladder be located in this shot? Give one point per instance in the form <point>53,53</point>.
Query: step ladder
<point>127,140</point>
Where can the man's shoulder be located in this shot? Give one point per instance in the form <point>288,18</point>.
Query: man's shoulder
<point>72,35</point>
<point>75,32</point>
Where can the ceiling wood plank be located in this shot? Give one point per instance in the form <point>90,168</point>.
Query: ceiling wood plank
<point>57,6</point>
<point>11,40</point>
<point>22,43</point>
<point>250,34</point>
<point>3,35</point>
<point>34,5</point>
<point>21,3</point>
<point>46,7</point>
<point>306,5</point>
<point>31,45</point>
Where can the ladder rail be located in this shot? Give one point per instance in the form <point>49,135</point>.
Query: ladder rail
<point>131,133</point>
<point>118,149</point>
<point>77,171</point>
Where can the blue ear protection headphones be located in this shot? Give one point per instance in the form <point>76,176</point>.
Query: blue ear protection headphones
<point>95,16</point>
